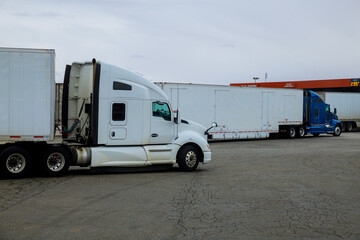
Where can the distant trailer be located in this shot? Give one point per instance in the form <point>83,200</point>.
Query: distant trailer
<point>347,105</point>
<point>342,94</point>
<point>240,113</point>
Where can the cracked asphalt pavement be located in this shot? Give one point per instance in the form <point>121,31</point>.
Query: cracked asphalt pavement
<point>264,189</point>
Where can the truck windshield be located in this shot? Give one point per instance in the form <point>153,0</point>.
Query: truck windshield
<point>161,110</point>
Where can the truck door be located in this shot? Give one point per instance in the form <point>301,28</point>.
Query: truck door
<point>162,129</point>
<point>328,114</point>
<point>118,121</point>
<point>318,116</point>
<point>318,112</point>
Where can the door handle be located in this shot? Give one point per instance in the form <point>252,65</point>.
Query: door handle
<point>154,135</point>
<point>113,134</point>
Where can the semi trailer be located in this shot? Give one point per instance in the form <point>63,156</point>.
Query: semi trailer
<point>347,105</point>
<point>246,112</point>
<point>111,117</point>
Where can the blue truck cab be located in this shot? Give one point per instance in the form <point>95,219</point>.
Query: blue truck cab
<point>317,116</point>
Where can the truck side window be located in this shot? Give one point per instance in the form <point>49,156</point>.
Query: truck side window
<point>161,110</point>
<point>121,86</point>
<point>118,111</point>
<point>316,112</point>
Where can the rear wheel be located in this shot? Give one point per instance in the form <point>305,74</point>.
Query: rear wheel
<point>301,131</point>
<point>188,158</point>
<point>55,162</point>
<point>337,131</point>
<point>15,162</point>
<point>291,132</point>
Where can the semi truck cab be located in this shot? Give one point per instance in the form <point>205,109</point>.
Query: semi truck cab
<point>317,116</point>
<point>124,120</point>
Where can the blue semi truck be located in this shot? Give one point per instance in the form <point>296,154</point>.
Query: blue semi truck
<point>317,118</point>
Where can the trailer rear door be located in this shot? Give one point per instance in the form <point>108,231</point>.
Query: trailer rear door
<point>267,116</point>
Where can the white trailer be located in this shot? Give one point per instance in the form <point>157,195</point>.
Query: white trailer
<point>111,118</point>
<point>347,106</point>
<point>240,113</point>
<point>27,90</point>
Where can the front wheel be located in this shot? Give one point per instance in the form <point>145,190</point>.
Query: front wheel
<point>337,131</point>
<point>15,162</point>
<point>55,162</point>
<point>188,158</point>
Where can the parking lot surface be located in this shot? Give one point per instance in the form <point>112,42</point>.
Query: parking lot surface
<point>264,189</point>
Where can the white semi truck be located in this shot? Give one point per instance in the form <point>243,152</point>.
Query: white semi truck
<point>111,118</point>
<point>347,105</point>
<point>246,112</point>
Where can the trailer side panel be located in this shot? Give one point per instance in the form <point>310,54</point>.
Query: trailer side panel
<point>27,80</point>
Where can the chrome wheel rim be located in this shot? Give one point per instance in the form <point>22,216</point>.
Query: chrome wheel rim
<point>301,132</point>
<point>55,162</point>
<point>190,159</point>
<point>292,132</point>
<point>15,163</point>
<point>337,130</point>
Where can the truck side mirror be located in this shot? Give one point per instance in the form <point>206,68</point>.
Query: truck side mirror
<point>214,124</point>
<point>334,110</point>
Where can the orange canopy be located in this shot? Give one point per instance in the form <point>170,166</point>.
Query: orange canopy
<point>335,83</point>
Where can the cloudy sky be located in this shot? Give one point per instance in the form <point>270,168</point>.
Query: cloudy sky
<point>199,41</point>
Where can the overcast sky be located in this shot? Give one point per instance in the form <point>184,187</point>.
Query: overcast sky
<point>199,41</point>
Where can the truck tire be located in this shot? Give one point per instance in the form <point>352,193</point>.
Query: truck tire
<point>337,131</point>
<point>301,132</point>
<point>55,161</point>
<point>15,162</point>
<point>349,127</point>
<point>188,158</point>
<point>291,132</point>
